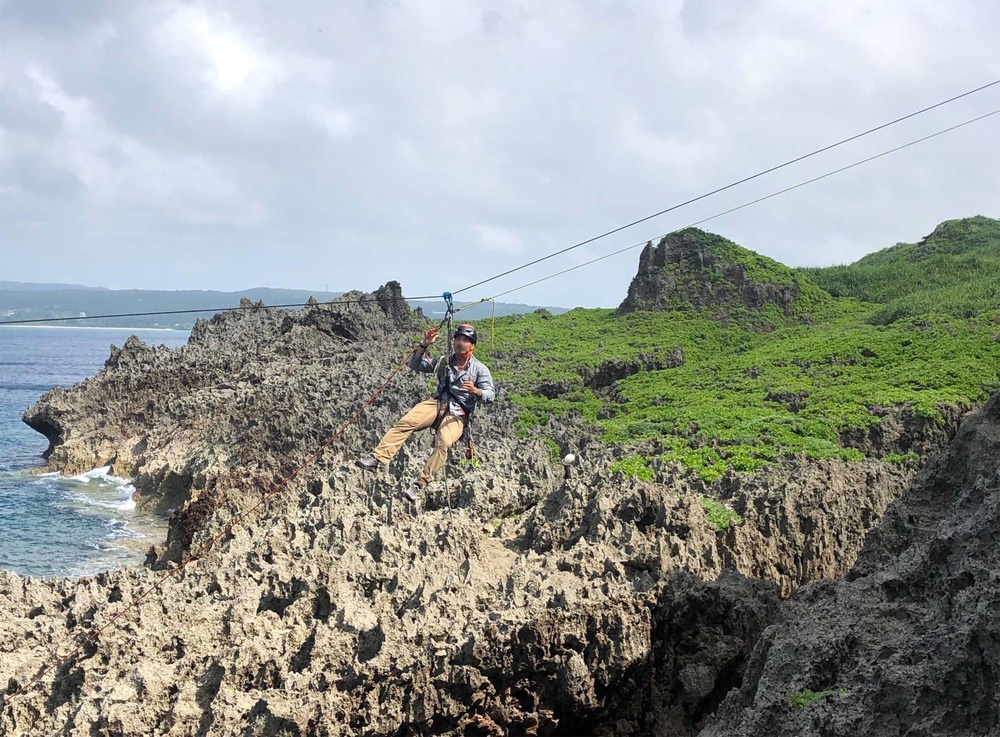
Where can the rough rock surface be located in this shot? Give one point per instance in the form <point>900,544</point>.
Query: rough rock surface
<point>249,388</point>
<point>909,642</point>
<point>690,268</point>
<point>608,372</point>
<point>519,602</point>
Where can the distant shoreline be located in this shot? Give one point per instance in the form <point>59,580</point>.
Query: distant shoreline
<point>93,327</point>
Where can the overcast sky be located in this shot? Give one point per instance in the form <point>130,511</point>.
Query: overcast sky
<point>226,145</point>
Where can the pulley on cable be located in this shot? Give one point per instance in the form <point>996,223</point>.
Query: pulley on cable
<point>449,311</point>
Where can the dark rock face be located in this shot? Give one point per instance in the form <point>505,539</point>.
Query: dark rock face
<point>608,372</point>
<point>901,430</point>
<point>909,643</point>
<point>692,268</point>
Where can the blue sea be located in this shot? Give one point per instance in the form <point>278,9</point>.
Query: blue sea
<point>51,525</point>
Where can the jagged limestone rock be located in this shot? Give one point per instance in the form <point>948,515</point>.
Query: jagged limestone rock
<point>909,642</point>
<point>519,602</point>
<point>692,269</point>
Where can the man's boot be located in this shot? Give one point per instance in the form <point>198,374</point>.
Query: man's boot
<point>368,463</point>
<point>412,493</point>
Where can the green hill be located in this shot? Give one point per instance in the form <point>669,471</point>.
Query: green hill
<point>692,270</point>
<point>953,271</point>
<point>714,394</point>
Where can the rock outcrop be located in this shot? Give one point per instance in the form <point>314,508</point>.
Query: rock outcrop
<point>694,269</point>
<point>520,601</point>
<point>909,642</point>
<point>250,387</point>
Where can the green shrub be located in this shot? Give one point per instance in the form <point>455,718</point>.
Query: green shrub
<point>954,271</point>
<point>803,698</point>
<point>633,466</point>
<point>553,448</point>
<point>719,515</point>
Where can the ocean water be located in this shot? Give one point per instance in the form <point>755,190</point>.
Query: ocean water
<point>51,525</point>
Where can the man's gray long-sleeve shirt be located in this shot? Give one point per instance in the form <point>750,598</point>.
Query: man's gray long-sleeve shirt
<point>450,381</point>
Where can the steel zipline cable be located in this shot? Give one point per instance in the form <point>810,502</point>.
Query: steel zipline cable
<point>367,300</point>
<point>734,209</point>
<point>554,253</point>
<point>728,186</point>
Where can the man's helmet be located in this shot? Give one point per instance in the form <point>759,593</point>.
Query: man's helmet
<point>467,331</point>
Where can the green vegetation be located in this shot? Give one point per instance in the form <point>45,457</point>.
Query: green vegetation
<point>704,272</point>
<point>719,515</point>
<point>746,397</point>
<point>553,448</point>
<point>803,698</point>
<point>953,271</point>
<point>756,268</point>
<point>634,467</point>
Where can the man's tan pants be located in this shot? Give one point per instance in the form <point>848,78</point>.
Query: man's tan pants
<point>421,417</point>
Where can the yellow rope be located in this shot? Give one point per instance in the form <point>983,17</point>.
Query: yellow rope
<point>493,326</point>
<point>493,317</point>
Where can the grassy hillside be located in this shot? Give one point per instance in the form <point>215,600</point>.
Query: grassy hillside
<point>743,397</point>
<point>953,271</point>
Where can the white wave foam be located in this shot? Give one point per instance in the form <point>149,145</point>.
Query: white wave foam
<point>124,505</point>
<point>118,497</point>
<point>111,524</point>
<point>95,473</point>
<point>102,475</point>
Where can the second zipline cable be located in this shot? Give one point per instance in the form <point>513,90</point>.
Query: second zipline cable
<point>743,206</point>
<point>728,186</point>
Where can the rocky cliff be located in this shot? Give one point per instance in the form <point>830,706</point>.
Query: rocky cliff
<point>909,642</point>
<point>693,269</point>
<point>519,602</point>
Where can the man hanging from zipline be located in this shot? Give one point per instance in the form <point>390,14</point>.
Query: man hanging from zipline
<point>463,382</point>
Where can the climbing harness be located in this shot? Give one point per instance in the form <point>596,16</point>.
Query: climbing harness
<point>444,380</point>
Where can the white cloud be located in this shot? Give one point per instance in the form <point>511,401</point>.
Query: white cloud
<point>498,239</point>
<point>231,65</point>
<point>350,143</point>
<point>119,171</point>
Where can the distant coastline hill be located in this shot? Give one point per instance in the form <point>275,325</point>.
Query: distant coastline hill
<point>28,300</point>
<point>28,286</point>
